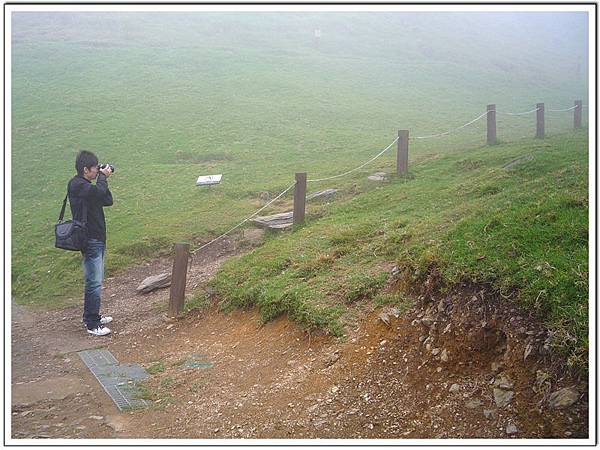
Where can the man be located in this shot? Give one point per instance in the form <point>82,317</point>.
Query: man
<point>87,200</point>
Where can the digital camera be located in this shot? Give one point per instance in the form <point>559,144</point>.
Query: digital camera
<point>104,166</point>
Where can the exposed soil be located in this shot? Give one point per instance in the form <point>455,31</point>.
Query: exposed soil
<point>428,373</point>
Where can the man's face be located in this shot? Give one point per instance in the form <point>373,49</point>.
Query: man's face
<point>90,173</point>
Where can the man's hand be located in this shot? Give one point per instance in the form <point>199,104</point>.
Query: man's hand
<point>106,171</point>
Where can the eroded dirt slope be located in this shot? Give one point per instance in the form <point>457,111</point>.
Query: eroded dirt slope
<point>461,366</point>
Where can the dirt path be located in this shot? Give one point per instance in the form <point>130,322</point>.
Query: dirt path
<point>437,371</point>
<point>53,393</point>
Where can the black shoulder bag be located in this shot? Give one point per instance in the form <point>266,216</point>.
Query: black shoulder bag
<point>71,234</point>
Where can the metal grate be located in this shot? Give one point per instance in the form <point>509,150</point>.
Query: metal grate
<point>118,380</point>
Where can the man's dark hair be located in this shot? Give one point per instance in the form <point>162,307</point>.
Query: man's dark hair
<point>85,159</point>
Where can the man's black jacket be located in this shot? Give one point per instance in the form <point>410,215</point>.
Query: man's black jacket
<point>82,191</point>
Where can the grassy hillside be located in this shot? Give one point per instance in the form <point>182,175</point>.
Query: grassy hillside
<point>522,230</point>
<point>169,97</point>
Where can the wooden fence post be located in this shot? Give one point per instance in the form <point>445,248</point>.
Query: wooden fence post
<point>402,155</point>
<point>300,198</point>
<point>491,124</point>
<point>178,278</point>
<point>539,129</point>
<point>577,114</point>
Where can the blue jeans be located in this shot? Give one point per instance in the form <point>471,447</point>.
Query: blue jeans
<point>93,271</point>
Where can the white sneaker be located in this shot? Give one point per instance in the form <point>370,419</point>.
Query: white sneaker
<point>105,319</point>
<point>99,331</point>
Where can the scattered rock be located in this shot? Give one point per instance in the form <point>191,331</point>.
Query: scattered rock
<point>474,403</point>
<point>395,271</point>
<point>378,176</point>
<point>154,282</point>
<point>455,388</point>
<point>444,355</point>
<point>427,321</point>
<point>503,382</point>
<point>435,351</point>
<point>394,312</point>
<point>386,314</point>
<point>441,307</point>
<point>332,358</point>
<point>511,428</point>
<point>542,382</point>
<point>278,221</point>
<point>502,397</point>
<point>563,398</point>
<point>496,366</point>
<point>312,408</point>
<point>490,414</point>
<point>327,193</point>
<point>385,318</point>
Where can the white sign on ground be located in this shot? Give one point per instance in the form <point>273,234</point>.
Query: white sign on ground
<point>205,180</point>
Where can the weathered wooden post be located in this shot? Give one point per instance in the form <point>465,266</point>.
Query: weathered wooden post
<point>178,278</point>
<point>491,124</point>
<point>300,198</point>
<point>577,114</point>
<point>402,154</point>
<point>539,129</point>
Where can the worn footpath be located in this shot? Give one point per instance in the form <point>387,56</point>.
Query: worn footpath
<point>459,366</point>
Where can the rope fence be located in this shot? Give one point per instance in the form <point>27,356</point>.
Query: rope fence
<point>517,114</point>
<point>182,254</point>
<point>445,133</point>
<point>356,168</point>
<point>245,220</point>
<point>563,110</point>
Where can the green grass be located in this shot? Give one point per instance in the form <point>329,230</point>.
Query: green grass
<point>156,367</point>
<point>522,231</point>
<point>166,98</point>
<point>198,301</point>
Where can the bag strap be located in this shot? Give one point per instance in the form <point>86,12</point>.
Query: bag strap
<point>62,211</point>
<point>64,205</point>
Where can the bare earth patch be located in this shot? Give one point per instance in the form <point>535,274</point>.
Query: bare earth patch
<point>450,368</point>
